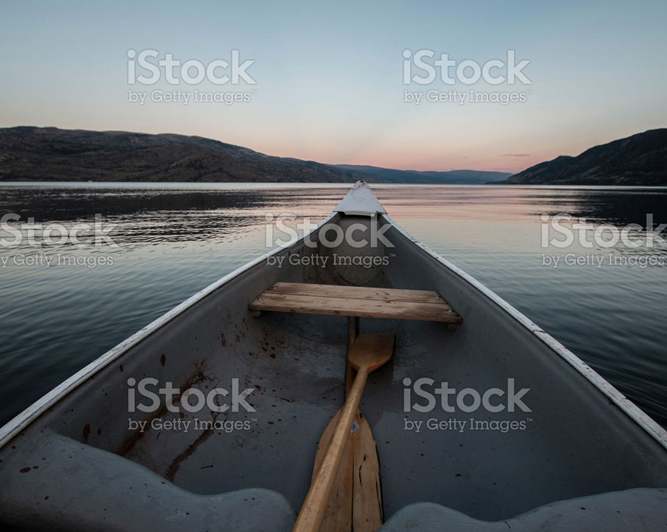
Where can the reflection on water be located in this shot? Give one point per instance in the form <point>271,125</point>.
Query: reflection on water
<point>173,240</point>
<point>154,216</point>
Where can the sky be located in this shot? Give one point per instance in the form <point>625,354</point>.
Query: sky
<point>326,81</point>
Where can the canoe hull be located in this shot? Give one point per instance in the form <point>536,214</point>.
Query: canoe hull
<point>579,437</point>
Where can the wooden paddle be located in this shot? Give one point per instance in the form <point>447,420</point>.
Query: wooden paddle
<point>369,352</point>
<point>339,507</point>
<point>355,502</point>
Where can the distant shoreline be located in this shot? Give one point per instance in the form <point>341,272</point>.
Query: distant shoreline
<point>53,155</point>
<point>29,154</point>
<point>250,185</point>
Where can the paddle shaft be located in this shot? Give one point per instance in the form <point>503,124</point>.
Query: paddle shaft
<point>313,509</point>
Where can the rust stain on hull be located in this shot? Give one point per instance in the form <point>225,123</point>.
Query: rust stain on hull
<point>134,437</point>
<point>176,464</point>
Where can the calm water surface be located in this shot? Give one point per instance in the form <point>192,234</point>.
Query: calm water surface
<point>173,240</point>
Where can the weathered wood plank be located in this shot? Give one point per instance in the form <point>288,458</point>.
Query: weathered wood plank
<point>338,514</point>
<point>356,292</point>
<point>368,308</point>
<point>367,512</point>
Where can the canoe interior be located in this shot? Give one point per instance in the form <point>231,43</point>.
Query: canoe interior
<point>575,443</point>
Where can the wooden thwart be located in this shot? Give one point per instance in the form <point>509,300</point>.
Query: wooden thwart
<point>423,305</point>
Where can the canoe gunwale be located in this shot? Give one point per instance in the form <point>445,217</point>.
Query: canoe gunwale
<point>34,411</point>
<point>621,401</point>
<point>12,428</point>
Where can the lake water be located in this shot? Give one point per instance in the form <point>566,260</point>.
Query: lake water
<point>173,240</point>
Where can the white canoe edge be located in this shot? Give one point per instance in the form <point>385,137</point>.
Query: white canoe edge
<point>627,406</point>
<point>21,421</point>
<point>360,201</point>
<point>25,418</point>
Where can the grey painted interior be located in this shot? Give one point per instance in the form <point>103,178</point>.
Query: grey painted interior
<point>88,470</point>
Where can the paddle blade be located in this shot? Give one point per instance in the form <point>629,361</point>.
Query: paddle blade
<point>356,500</point>
<point>366,493</point>
<point>371,350</point>
<point>338,514</point>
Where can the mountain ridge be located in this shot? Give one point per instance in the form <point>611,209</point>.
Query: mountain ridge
<point>30,153</point>
<point>450,177</point>
<point>638,160</point>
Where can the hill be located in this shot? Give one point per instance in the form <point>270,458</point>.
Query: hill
<point>639,160</point>
<point>52,154</point>
<point>453,177</point>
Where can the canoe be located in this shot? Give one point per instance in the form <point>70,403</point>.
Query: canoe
<point>209,417</point>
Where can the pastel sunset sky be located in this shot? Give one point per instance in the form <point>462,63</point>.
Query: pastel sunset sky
<point>329,76</point>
